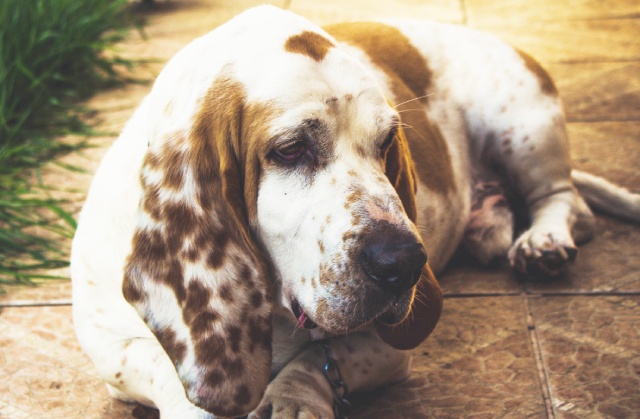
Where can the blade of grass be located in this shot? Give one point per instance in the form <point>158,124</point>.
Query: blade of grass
<point>52,56</point>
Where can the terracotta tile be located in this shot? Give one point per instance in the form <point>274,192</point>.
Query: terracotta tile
<point>591,352</point>
<point>599,91</point>
<point>171,25</point>
<point>609,149</point>
<point>53,291</point>
<point>45,374</point>
<point>477,363</point>
<point>332,11</point>
<point>608,263</point>
<point>465,276</point>
<point>571,40</point>
<point>527,11</point>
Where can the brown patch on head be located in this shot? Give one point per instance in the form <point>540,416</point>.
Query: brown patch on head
<point>390,50</point>
<point>309,43</point>
<point>544,79</point>
<point>410,78</point>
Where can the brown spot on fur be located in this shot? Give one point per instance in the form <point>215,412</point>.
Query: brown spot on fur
<point>196,302</point>
<point>546,83</point>
<point>256,299</point>
<point>310,44</point>
<point>233,368</point>
<point>181,220</point>
<point>258,333</point>
<point>321,246</point>
<point>410,79</point>
<point>242,396</point>
<point>210,350</point>
<point>215,258</point>
<point>175,348</point>
<point>215,378</point>
<point>226,293</point>
<point>203,322</point>
<point>234,335</point>
<point>151,202</point>
<point>131,292</point>
<point>174,170</point>
<point>353,198</point>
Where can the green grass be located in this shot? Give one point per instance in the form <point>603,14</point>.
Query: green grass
<point>53,55</point>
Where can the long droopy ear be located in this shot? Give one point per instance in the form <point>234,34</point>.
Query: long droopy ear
<point>195,275</point>
<point>427,301</point>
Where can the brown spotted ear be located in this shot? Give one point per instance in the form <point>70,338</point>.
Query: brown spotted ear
<point>427,302</point>
<point>195,275</point>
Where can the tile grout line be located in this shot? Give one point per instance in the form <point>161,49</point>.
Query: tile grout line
<point>34,303</point>
<point>537,354</point>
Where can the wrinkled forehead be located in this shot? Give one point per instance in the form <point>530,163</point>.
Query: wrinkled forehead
<point>286,60</point>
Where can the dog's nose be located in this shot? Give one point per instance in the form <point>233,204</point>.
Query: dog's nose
<point>394,265</point>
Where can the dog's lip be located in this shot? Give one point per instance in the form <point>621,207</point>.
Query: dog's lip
<point>303,319</point>
<point>391,316</point>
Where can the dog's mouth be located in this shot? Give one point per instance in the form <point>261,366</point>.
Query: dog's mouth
<point>304,321</point>
<point>394,313</point>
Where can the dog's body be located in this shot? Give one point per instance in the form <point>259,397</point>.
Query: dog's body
<point>268,173</point>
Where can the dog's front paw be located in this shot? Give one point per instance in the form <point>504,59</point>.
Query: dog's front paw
<point>537,253</point>
<point>288,406</point>
<point>299,391</point>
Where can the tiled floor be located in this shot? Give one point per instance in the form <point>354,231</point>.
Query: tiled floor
<point>505,347</point>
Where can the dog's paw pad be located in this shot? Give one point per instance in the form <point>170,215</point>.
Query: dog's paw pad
<point>541,254</point>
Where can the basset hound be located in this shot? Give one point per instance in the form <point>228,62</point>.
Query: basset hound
<point>283,184</point>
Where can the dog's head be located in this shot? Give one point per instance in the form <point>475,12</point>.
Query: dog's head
<point>274,163</point>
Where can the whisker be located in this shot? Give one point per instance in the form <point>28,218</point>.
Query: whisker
<point>414,99</point>
<point>417,132</point>
<point>410,110</point>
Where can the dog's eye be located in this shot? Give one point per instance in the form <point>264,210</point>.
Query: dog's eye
<point>291,152</point>
<point>387,141</point>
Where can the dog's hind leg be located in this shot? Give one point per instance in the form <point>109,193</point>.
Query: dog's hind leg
<point>539,171</point>
<point>489,231</point>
